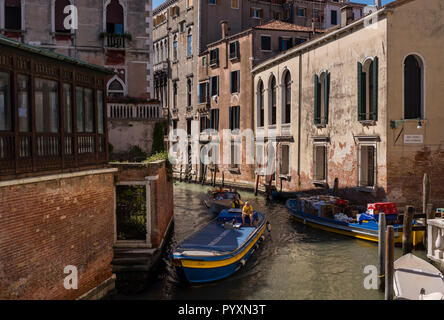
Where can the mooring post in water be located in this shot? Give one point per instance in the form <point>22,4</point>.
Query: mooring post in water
<point>425,192</point>
<point>256,189</point>
<point>381,251</point>
<point>429,215</point>
<point>389,262</point>
<point>336,187</point>
<point>407,232</point>
<point>223,179</point>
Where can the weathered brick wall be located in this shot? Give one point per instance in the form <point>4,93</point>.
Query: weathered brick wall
<point>47,225</point>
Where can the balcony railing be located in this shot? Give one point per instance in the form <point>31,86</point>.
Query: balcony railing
<point>134,111</point>
<point>161,67</point>
<point>115,41</point>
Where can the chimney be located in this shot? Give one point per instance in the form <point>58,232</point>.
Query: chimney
<point>346,15</point>
<point>378,4</point>
<point>224,26</point>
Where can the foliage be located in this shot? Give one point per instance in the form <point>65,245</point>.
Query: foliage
<point>135,153</point>
<point>162,156</point>
<point>158,138</point>
<point>131,212</point>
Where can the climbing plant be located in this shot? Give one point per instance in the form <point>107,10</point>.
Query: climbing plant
<point>158,138</point>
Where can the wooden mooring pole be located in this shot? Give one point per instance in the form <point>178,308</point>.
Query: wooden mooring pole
<point>425,192</point>
<point>429,215</point>
<point>389,262</point>
<point>381,251</point>
<point>407,232</point>
<point>256,189</point>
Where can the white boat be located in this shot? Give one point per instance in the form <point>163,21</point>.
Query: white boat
<point>416,279</point>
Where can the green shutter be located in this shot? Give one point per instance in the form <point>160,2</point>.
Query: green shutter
<point>326,95</point>
<point>231,117</point>
<point>217,119</point>
<point>375,88</point>
<point>360,91</point>
<point>238,117</point>
<point>316,102</point>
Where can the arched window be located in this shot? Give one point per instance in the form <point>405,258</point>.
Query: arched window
<point>175,55</point>
<point>175,94</point>
<point>286,114</point>
<point>59,15</point>
<point>321,98</point>
<point>413,88</point>
<point>272,102</point>
<point>368,90</point>
<point>13,15</point>
<point>161,52</point>
<point>114,18</point>
<point>189,92</point>
<point>260,104</point>
<point>189,43</point>
<point>116,88</point>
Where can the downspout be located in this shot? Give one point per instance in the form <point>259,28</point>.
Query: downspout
<point>299,118</point>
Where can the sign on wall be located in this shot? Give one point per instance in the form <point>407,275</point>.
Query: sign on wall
<point>413,138</point>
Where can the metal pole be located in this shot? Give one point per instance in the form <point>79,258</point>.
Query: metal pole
<point>389,263</point>
<point>381,250</point>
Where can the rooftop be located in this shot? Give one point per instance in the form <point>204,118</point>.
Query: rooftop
<point>284,26</point>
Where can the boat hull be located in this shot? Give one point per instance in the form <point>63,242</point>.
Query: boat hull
<point>350,231</point>
<point>213,269</point>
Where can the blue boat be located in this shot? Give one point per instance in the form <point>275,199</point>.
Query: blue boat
<point>365,228</point>
<point>220,199</point>
<point>220,248</point>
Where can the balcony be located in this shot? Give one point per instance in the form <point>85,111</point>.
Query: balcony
<point>115,41</point>
<point>136,111</point>
<point>161,67</point>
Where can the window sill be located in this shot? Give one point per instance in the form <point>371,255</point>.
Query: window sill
<point>235,59</point>
<point>189,57</point>
<point>234,170</point>
<point>286,177</point>
<point>320,125</point>
<point>368,123</point>
<point>322,184</point>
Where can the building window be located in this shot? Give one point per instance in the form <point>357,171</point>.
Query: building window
<point>46,106</point>
<point>24,109</point>
<point>68,110</point>
<point>203,92</point>
<point>285,43</point>
<point>413,88</point>
<point>298,41</point>
<point>234,50</point>
<point>235,4</point>
<point>235,153</point>
<point>256,13</point>
<point>334,17</point>
<point>284,163</point>
<point>5,102</point>
<point>260,103</point>
<point>302,12</point>
<point>234,117</point>
<point>235,82</point>
<point>175,94</point>
<point>321,98</point>
<point>214,86</point>
<point>85,110</point>
<point>204,123</point>
<point>367,166</point>
<point>189,43</point>
<point>320,163</point>
<point>212,1</point>
<point>286,114</point>
<point>175,48</point>
<point>189,122</point>
<point>100,115</point>
<point>59,15</point>
<point>214,57</point>
<point>266,43</point>
<point>189,92</point>
<point>368,90</point>
<point>116,89</point>
<point>214,119</point>
<point>13,15</point>
<point>114,18</point>
<point>175,124</point>
<point>272,101</point>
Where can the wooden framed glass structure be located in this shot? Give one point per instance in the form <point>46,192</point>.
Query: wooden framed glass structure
<point>52,112</point>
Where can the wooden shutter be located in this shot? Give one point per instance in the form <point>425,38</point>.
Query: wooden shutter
<point>238,81</point>
<point>217,119</point>
<point>360,93</point>
<point>238,117</point>
<point>261,13</point>
<point>326,95</point>
<point>316,113</point>
<point>375,88</point>
<point>231,117</point>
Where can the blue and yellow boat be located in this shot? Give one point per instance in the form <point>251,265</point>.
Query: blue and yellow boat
<point>366,227</point>
<point>220,248</point>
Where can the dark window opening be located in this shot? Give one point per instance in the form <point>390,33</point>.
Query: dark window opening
<point>266,43</point>
<point>235,84</point>
<point>13,15</point>
<point>234,117</point>
<point>413,83</point>
<point>60,16</point>
<point>114,18</point>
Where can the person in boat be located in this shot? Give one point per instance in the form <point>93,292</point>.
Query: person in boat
<point>247,210</point>
<point>237,203</point>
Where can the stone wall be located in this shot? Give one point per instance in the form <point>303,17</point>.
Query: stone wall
<point>51,222</point>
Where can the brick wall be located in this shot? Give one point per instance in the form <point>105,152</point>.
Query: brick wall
<point>47,225</point>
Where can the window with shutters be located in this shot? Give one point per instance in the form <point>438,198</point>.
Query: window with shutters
<point>175,48</point>
<point>60,16</point>
<point>260,104</point>
<point>265,43</point>
<point>214,57</point>
<point>214,86</point>
<point>114,18</point>
<point>203,92</point>
<point>13,15</point>
<point>234,50</point>
<point>413,87</point>
<point>175,94</point>
<point>235,153</point>
<point>321,98</point>
<point>256,13</point>
<point>189,122</point>
<point>320,163</point>
<point>204,123</point>
<point>235,4</point>
<point>367,166</point>
<point>189,43</point>
<point>214,119</point>
<point>368,90</point>
<point>5,102</point>
<point>284,160</point>
<point>234,117</point>
<point>286,90</point>
<point>272,112</point>
<point>235,82</point>
<point>285,43</point>
<point>189,92</point>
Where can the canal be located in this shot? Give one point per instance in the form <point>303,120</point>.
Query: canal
<point>294,262</point>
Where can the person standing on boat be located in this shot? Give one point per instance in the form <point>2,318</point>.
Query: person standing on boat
<point>237,203</point>
<point>247,211</point>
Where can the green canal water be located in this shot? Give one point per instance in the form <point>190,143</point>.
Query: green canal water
<point>295,262</point>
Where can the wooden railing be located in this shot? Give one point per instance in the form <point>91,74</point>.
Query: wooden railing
<point>134,111</point>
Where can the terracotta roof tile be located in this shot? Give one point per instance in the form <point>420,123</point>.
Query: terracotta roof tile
<point>284,26</point>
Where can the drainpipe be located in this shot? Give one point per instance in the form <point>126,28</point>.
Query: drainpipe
<point>299,118</point>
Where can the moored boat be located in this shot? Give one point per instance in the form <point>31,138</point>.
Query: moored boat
<point>362,226</point>
<point>220,199</point>
<point>416,279</point>
<point>220,248</point>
